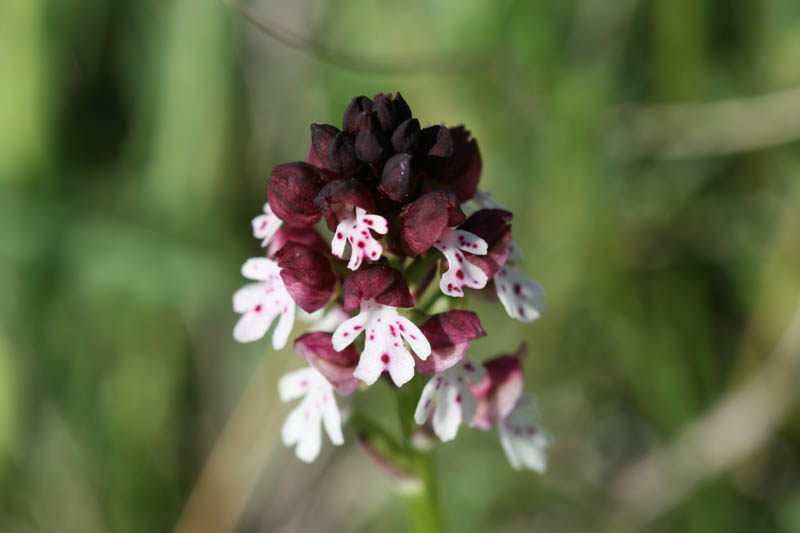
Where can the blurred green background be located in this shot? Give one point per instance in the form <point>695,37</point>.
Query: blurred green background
<point>647,148</point>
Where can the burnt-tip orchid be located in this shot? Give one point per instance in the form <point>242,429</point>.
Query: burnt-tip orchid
<point>385,283</point>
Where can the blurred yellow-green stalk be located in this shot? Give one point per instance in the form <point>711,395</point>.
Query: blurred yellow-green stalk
<point>649,150</point>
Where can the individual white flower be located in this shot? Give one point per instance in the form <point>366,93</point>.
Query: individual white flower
<point>384,348</point>
<point>265,226</point>
<point>260,303</point>
<point>516,291</point>
<point>303,426</point>
<point>450,398</point>
<point>355,229</point>
<point>523,441</point>
<point>460,273</point>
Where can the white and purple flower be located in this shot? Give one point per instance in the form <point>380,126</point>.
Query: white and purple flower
<point>378,291</point>
<point>448,395</point>
<point>303,426</point>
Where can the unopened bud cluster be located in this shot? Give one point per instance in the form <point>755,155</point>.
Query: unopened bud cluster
<point>395,198</point>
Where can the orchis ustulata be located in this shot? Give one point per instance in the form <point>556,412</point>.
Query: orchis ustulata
<point>393,197</point>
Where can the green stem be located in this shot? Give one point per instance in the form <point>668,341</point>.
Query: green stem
<point>424,510</point>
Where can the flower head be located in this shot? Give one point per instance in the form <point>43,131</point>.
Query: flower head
<point>392,195</point>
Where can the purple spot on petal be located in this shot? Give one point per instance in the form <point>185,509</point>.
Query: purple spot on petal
<point>258,308</point>
<point>385,359</point>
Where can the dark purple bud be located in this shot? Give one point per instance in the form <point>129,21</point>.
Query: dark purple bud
<point>358,105</point>
<point>442,144</point>
<point>500,389</point>
<point>449,335</point>
<point>339,197</point>
<point>371,144</point>
<point>292,188</point>
<point>307,275</point>
<point>321,137</point>
<point>401,110</point>
<point>463,169</point>
<point>383,107</point>
<point>427,217</point>
<point>406,137</point>
<point>307,236</point>
<point>491,225</point>
<point>381,283</point>
<point>337,367</point>
<point>399,181</point>
<point>342,155</point>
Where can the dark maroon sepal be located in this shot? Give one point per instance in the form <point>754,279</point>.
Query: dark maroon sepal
<point>399,182</point>
<point>307,275</point>
<point>337,367</point>
<point>351,119</point>
<point>449,334</point>
<point>381,283</point>
<point>401,110</point>
<point>436,141</point>
<point>492,226</point>
<point>500,389</point>
<point>292,188</point>
<point>406,137</point>
<point>321,137</point>
<point>342,155</point>
<point>462,170</point>
<point>427,217</point>
<point>343,195</point>
<point>308,236</point>
<point>371,144</point>
<point>383,107</point>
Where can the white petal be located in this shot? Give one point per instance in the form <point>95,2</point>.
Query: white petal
<point>260,268</point>
<point>284,328</point>
<point>332,419</point>
<point>415,338</point>
<point>295,384</point>
<point>347,332</point>
<point>469,242</point>
<point>310,439</point>
<point>468,403</point>
<point>248,297</point>
<point>447,416</point>
<point>252,326</point>
<point>508,447</point>
<point>369,365</point>
<point>400,366</point>
<point>339,239</point>
<point>425,402</point>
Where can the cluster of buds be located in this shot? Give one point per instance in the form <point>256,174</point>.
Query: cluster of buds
<point>395,198</point>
